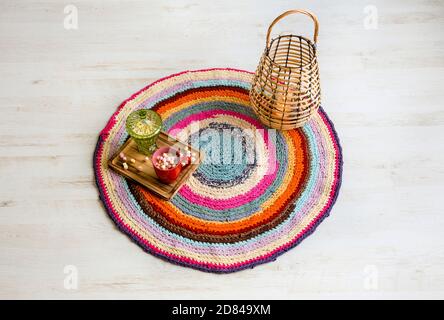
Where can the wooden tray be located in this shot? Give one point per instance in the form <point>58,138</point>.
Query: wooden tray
<point>147,177</point>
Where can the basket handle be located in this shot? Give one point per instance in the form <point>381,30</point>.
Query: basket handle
<point>287,13</point>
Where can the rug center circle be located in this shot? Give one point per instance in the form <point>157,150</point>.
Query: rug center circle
<point>230,154</point>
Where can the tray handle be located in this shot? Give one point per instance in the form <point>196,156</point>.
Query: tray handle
<point>287,13</point>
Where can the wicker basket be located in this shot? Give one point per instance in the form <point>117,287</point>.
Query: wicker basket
<point>285,90</point>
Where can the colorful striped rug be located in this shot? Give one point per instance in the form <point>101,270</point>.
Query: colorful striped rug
<point>258,193</point>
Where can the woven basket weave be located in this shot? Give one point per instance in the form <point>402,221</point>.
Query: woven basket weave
<point>285,91</point>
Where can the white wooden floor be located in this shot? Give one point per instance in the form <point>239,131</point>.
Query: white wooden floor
<point>383,88</point>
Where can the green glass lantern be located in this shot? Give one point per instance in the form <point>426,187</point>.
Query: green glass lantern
<point>144,126</point>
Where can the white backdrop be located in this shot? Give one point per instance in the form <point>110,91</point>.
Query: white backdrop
<point>382,83</point>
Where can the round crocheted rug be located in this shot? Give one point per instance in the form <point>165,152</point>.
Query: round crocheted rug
<point>257,194</point>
